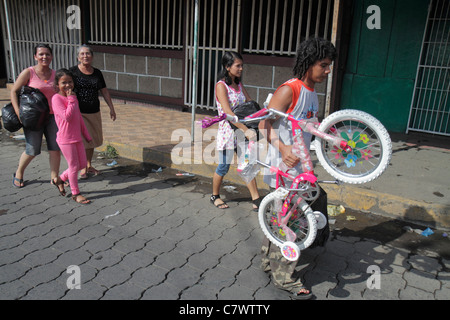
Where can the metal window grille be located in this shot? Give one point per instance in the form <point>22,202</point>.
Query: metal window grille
<point>262,27</point>
<point>33,22</point>
<point>276,27</point>
<point>137,23</point>
<point>430,106</point>
<point>218,31</point>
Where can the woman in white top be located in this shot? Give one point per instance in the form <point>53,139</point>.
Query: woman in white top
<point>230,93</point>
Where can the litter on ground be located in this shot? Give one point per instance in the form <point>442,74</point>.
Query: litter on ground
<point>112,215</point>
<point>113,163</point>
<point>335,210</point>
<point>427,232</point>
<point>230,189</point>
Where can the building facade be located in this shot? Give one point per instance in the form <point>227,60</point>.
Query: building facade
<point>393,54</point>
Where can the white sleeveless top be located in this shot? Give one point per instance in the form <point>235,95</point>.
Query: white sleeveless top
<point>305,105</point>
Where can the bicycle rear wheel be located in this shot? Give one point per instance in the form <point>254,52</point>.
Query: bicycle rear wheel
<point>302,222</point>
<point>370,141</point>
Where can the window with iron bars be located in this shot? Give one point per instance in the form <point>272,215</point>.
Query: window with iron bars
<point>269,27</point>
<point>137,23</point>
<point>275,27</point>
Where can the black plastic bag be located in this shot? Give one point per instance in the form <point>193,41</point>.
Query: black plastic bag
<point>320,204</point>
<point>10,120</point>
<point>245,109</point>
<point>34,110</point>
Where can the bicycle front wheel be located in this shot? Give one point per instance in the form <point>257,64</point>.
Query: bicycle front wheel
<point>302,222</point>
<point>369,139</point>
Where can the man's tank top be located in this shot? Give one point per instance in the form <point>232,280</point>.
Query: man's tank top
<point>305,105</point>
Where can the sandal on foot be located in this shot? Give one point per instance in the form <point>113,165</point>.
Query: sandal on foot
<point>58,183</point>
<point>222,205</point>
<point>302,294</point>
<point>20,181</point>
<point>81,201</point>
<point>94,171</point>
<point>66,183</point>
<point>257,202</point>
<point>84,176</point>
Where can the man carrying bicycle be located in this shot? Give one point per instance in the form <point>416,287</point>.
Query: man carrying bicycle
<point>297,97</point>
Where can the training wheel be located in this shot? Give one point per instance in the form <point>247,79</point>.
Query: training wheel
<point>290,251</point>
<point>321,219</point>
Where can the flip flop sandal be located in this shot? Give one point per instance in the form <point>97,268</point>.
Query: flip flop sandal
<point>17,180</point>
<point>302,295</point>
<point>57,182</point>
<point>94,171</point>
<point>75,197</point>
<point>66,183</point>
<point>213,200</point>
<point>84,176</point>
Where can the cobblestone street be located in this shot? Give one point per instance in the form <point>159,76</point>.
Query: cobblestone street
<point>156,236</point>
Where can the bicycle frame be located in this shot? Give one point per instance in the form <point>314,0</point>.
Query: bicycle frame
<point>298,127</point>
<point>339,126</point>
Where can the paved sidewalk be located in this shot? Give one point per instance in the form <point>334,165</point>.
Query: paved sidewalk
<point>156,236</point>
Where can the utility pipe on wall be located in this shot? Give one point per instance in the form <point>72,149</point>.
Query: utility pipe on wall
<point>11,55</point>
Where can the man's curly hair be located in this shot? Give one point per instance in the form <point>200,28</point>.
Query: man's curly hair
<point>310,51</point>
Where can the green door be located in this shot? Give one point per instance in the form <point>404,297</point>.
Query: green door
<point>382,63</point>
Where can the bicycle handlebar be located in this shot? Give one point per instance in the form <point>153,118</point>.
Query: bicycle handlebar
<point>231,118</point>
<point>262,114</point>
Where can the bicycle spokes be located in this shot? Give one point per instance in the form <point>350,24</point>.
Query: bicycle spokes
<point>359,142</point>
<point>295,228</point>
<point>365,145</point>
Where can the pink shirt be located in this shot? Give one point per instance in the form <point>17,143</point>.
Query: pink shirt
<point>45,86</point>
<point>71,127</point>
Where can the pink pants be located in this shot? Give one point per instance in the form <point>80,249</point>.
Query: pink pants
<point>76,160</point>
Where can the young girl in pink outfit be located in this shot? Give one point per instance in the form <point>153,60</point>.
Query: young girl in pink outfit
<point>71,130</point>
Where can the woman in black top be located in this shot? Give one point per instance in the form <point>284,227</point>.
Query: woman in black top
<point>88,82</point>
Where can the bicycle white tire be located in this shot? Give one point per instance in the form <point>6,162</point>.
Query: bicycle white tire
<point>348,120</point>
<point>272,232</point>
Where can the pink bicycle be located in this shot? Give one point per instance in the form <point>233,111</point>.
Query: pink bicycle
<point>351,145</point>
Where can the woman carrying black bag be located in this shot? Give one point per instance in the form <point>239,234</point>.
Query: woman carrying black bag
<point>230,93</point>
<point>41,77</point>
